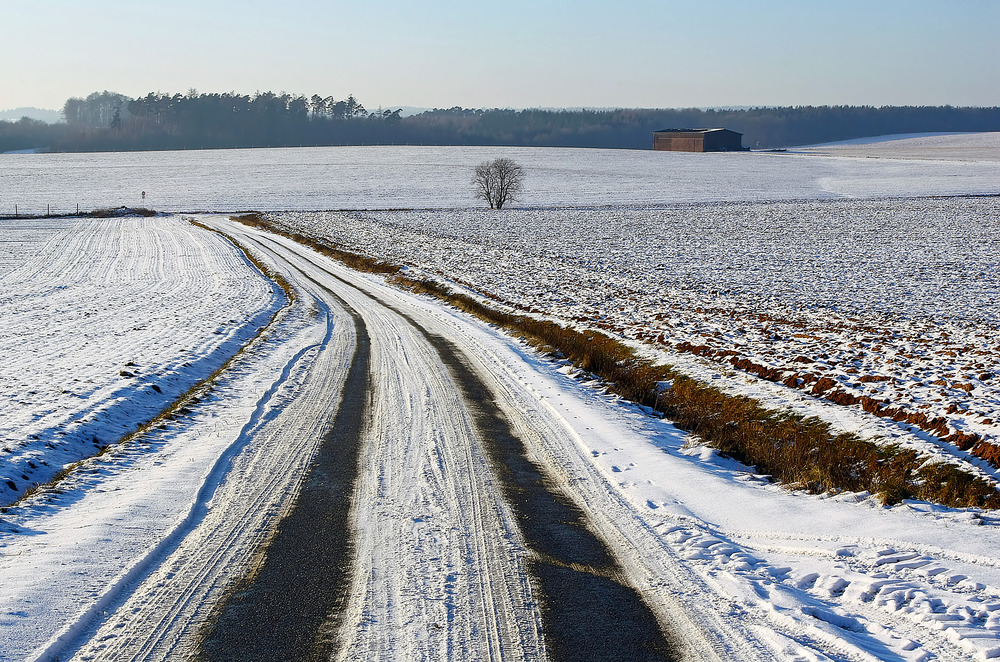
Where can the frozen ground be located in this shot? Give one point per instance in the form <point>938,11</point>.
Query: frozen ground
<point>762,572</point>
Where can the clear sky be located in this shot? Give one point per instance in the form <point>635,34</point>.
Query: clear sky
<point>513,53</point>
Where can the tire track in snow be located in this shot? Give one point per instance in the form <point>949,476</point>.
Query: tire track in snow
<point>438,569</point>
<point>162,618</point>
<point>278,613</point>
<point>459,593</point>
<point>589,611</point>
<point>683,601</point>
<point>485,602</point>
<point>492,615</point>
<point>75,635</point>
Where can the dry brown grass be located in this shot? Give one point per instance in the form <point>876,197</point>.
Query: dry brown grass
<point>114,212</point>
<point>353,260</point>
<point>799,452</point>
<point>806,453</point>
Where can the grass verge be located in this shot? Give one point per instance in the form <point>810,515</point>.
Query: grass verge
<point>802,453</point>
<point>353,260</point>
<point>115,212</point>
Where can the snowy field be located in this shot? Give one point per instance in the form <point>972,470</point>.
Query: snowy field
<point>105,321</point>
<point>922,146</point>
<point>438,178</point>
<point>893,299</point>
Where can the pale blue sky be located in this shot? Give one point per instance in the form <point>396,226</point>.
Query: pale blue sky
<point>516,53</point>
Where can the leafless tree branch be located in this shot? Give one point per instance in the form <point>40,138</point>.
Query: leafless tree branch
<point>498,181</point>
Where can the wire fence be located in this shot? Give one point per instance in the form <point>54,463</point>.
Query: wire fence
<point>11,211</point>
<point>37,210</point>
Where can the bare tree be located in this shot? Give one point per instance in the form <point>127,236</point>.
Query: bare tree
<point>497,182</point>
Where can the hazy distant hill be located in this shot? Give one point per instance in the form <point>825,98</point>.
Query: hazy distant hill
<point>41,114</point>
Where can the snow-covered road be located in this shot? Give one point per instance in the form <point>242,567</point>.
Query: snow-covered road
<point>133,555</point>
<point>444,566</point>
<point>436,557</point>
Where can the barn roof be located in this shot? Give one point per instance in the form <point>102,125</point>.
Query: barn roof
<point>695,131</point>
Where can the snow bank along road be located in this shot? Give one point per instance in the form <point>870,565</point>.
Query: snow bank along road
<point>153,550</point>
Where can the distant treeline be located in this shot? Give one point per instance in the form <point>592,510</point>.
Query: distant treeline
<point>106,121</point>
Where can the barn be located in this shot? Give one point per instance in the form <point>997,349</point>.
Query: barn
<point>697,140</point>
